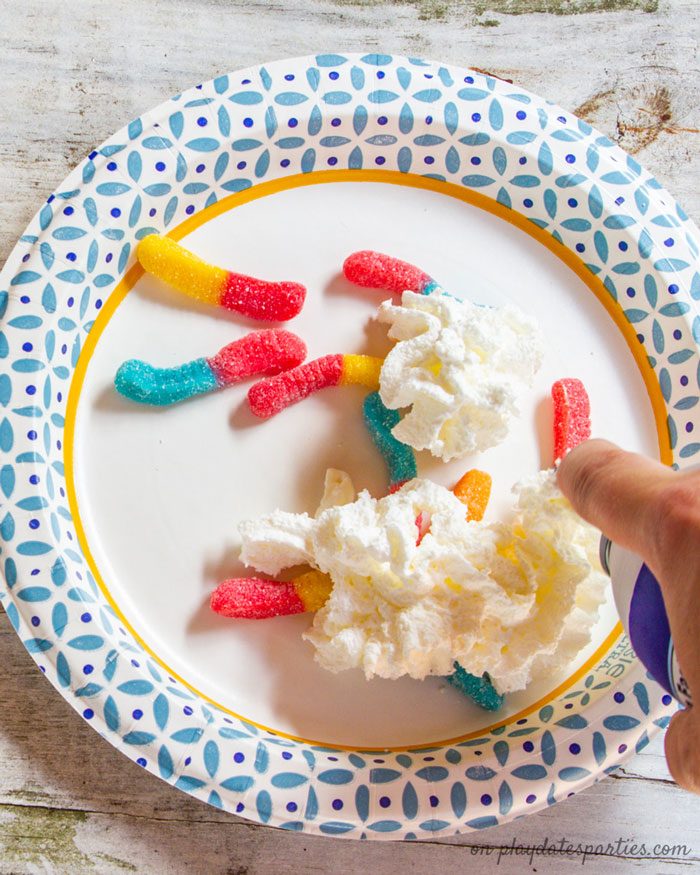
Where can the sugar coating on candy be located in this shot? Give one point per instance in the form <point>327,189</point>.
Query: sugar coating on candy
<point>460,368</point>
<point>164,258</point>
<point>516,599</point>
<point>572,416</point>
<point>252,598</point>
<point>139,381</point>
<point>474,490</point>
<point>377,271</point>
<point>260,352</point>
<point>262,300</point>
<point>313,588</point>
<point>380,421</point>
<point>362,370</point>
<point>196,278</point>
<point>480,689</point>
<point>269,397</point>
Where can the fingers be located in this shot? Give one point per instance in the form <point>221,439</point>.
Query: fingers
<point>682,751</point>
<point>614,490</point>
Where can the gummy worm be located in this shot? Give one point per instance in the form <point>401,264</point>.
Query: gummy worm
<point>399,457</point>
<point>572,416</point>
<point>189,274</point>
<point>374,270</point>
<point>260,352</point>
<point>254,598</point>
<point>271,396</point>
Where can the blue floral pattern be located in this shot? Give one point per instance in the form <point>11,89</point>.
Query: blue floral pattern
<point>303,116</point>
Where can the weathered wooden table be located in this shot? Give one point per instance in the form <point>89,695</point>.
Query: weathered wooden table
<point>75,71</point>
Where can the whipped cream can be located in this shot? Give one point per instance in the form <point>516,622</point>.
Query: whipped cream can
<point>640,604</point>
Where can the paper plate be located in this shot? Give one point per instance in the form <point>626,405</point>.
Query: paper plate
<point>118,521</point>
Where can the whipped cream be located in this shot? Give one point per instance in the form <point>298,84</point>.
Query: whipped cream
<point>460,367</point>
<point>517,600</point>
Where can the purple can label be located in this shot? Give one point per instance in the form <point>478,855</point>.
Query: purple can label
<point>650,636</point>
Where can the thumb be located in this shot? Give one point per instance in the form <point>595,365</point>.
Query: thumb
<point>682,752</point>
<point>614,490</point>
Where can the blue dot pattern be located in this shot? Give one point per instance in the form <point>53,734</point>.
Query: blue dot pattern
<point>372,112</point>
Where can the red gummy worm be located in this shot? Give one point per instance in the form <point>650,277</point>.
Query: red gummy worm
<point>270,396</point>
<point>258,299</point>
<point>374,270</point>
<point>260,352</point>
<point>253,598</point>
<point>572,416</point>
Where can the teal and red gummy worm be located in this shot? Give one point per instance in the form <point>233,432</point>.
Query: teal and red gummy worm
<point>374,270</point>
<point>265,353</point>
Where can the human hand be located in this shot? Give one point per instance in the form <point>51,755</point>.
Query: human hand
<point>654,512</point>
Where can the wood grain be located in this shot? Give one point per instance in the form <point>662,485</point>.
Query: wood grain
<point>74,72</point>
